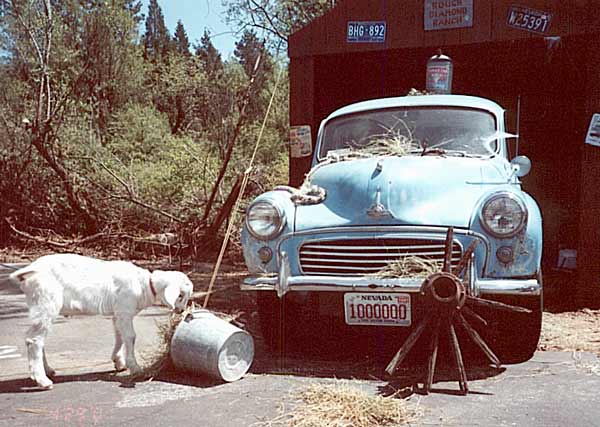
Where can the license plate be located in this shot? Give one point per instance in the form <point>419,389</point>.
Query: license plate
<point>366,32</point>
<point>377,309</point>
<point>527,19</point>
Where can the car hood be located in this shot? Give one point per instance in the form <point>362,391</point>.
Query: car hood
<point>415,190</point>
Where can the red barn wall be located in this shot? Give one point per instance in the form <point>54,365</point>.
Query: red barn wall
<point>556,84</point>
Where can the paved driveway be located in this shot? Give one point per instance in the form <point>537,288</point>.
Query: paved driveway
<point>552,389</point>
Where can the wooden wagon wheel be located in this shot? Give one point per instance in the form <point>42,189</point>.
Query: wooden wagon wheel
<point>448,301</point>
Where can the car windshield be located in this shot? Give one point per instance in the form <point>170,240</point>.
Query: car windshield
<point>413,130</point>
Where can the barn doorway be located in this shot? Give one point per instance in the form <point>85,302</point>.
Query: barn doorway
<point>542,73</point>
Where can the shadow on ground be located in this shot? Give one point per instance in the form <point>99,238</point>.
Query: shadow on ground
<point>27,385</point>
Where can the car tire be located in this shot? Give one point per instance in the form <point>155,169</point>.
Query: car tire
<point>515,336</point>
<point>272,315</point>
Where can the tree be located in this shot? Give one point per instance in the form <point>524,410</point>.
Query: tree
<point>71,70</point>
<point>218,95</point>
<point>182,43</point>
<point>209,57</point>
<point>157,41</point>
<point>35,31</point>
<point>97,140</point>
<point>248,50</point>
<point>277,18</point>
<point>114,67</point>
<point>177,90</point>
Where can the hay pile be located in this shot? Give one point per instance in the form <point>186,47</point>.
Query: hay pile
<point>394,144</point>
<point>397,140</point>
<point>341,405</point>
<point>410,266</point>
<point>160,360</point>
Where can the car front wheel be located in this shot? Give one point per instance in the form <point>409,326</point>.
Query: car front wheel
<point>515,336</point>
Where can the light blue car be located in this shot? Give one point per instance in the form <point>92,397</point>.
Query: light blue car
<point>389,177</point>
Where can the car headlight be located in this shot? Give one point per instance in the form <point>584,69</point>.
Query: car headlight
<point>504,215</point>
<point>264,220</point>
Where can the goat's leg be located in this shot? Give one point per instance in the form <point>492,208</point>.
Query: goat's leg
<point>118,357</point>
<point>50,372</point>
<point>35,352</point>
<point>125,326</point>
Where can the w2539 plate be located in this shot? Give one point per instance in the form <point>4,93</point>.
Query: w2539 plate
<point>377,309</point>
<point>523,18</point>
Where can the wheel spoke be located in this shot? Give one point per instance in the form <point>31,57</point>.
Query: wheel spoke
<point>462,374</point>
<point>433,350</point>
<point>495,304</point>
<point>465,258</point>
<point>479,341</point>
<point>407,346</point>
<point>448,250</point>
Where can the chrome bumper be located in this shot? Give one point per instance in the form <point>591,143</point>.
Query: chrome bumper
<point>367,284</point>
<point>284,283</point>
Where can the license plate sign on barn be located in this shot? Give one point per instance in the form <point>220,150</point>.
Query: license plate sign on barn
<point>523,18</point>
<point>377,309</point>
<point>366,32</point>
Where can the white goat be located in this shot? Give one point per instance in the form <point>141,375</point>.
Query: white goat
<point>71,284</point>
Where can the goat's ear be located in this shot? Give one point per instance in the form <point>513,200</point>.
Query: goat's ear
<point>171,295</point>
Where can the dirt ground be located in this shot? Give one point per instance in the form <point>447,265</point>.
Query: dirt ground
<point>571,331</point>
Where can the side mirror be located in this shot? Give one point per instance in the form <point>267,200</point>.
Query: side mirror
<point>521,165</point>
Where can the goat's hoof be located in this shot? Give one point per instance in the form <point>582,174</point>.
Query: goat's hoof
<point>135,372</point>
<point>44,384</point>
<point>120,365</point>
<point>51,373</point>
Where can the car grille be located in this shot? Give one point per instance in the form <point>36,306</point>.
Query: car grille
<point>357,257</point>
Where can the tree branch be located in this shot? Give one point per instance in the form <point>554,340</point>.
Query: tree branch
<point>131,196</point>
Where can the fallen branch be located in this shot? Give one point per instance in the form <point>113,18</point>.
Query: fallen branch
<point>37,239</point>
<point>163,239</point>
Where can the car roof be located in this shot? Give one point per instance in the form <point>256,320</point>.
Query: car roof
<point>420,101</point>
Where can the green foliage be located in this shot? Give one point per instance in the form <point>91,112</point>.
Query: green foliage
<point>178,88</point>
<point>209,57</point>
<point>182,43</point>
<point>112,63</point>
<point>256,61</point>
<point>157,41</point>
<point>113,131</point>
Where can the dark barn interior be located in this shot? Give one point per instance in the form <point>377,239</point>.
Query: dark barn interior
<point>551,75</point>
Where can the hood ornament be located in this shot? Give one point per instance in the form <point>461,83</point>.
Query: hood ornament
<point>378,210</point>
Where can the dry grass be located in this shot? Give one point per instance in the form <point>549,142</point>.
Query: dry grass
<point>410,266</point>
<point>417,92</point>
<point>571,331</point>
<point>160,360</point>
<point>393,144</point>
<point>342,405</point>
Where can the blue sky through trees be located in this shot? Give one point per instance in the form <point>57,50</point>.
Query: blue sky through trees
<point>196,15</point>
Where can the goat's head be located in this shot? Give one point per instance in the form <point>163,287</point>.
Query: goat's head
<point>174,288</point>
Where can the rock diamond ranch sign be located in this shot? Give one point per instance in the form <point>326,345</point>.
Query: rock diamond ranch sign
<point>444,14</point>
